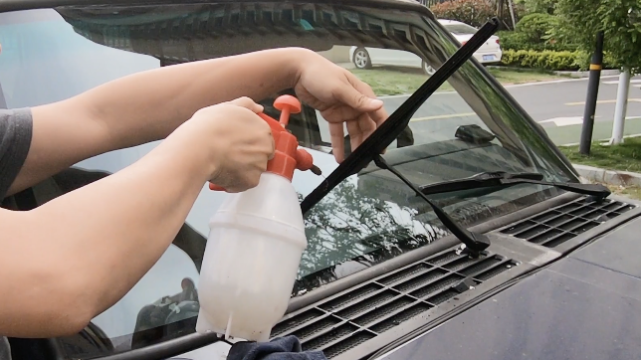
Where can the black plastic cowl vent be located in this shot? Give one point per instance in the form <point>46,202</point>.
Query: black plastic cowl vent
<point>361,314</point>
<point>556,226</point>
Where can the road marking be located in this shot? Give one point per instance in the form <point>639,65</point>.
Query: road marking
<point>449,92</point>
<point>600,102</point>
<point>536,83</point>
<point>577,120</point>
<point>614,82</point>
<point>438,117</point>
<point>565,121</point>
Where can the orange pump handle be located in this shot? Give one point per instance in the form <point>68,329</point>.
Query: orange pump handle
<point>287,156</point>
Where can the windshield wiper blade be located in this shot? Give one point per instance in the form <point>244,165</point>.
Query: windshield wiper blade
<point>501,178</point>
<point>396,123</point>
<point>380,139</point>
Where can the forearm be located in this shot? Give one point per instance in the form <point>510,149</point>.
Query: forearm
<point>81,265</point>
<point>149,105</point>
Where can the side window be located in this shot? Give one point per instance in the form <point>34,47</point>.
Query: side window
<point>165,296</point>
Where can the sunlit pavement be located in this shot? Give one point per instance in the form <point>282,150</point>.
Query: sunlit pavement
<point>557,106</point>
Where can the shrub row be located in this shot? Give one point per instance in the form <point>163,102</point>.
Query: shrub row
<point>474,12</point>
<point>514,40</point>
<point>471,12</point>
<point>534,32</point>
<point>549,59</point>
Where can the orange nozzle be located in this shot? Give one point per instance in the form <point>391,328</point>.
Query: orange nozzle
<point>287,155</point>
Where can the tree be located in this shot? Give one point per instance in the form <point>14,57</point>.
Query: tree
<point>355,223</point>
<point>618,19</point>
<point>538,6</point>
<point>471,12</point>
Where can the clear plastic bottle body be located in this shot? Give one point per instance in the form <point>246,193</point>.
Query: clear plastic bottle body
<point>251,260</point>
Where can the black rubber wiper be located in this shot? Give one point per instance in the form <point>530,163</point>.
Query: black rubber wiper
<point>372,147</point>
<point>500,178</point>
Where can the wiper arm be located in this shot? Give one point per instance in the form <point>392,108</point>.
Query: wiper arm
<point>474,243</point>
<point>370,149</point>
<point>500,178</point>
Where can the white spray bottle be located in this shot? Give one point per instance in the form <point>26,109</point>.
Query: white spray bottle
<point>255,244</point>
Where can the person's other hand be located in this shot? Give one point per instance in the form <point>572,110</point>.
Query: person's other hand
<point>238,142</point>
<point>341,98</point>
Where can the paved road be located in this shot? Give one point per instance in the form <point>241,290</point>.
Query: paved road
<point>567,99</point>
<point>557,106</point>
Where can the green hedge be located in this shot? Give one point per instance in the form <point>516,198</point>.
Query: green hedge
<point>549,60</point>
<point>533,32</point>
<point>515,40</point>
<point>546,60</point>
<point>471,12</point>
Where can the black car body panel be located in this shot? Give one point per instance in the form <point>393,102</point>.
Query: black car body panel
<point>585,306</point>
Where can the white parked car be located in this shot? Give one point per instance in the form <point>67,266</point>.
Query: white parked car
<point>366,57</point>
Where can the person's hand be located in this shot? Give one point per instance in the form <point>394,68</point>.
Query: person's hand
<point>341,98</point>
<point>237,142</point>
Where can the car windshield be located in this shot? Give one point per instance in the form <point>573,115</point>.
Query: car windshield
<point>52,54</point>
<point>460,29</point>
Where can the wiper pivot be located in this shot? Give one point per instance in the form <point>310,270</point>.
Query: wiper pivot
<point>473,243</point>
<point>501,178</point>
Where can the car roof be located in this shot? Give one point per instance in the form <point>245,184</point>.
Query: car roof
<point>445,22</point>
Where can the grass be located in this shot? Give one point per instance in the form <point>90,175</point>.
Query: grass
<point>397,80</point>
<point>623,157</point>
<point>630,191</point>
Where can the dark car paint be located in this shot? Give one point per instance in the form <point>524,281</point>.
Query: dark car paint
<point>585,306</point>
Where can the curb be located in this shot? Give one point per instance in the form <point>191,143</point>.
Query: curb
<point>610,177</point>
<point>604,140</point>
<point>585,74</point>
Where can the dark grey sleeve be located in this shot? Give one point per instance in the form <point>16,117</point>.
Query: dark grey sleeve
<point>5,349</point>
<point>15,139</point>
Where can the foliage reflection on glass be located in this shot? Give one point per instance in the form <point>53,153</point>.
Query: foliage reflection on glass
<point>359,224</point>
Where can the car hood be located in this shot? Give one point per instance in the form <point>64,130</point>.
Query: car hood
<point>584,306</point>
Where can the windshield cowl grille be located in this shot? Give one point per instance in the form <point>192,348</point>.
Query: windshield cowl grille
<point>558,225</point>
<point>362,313</point>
